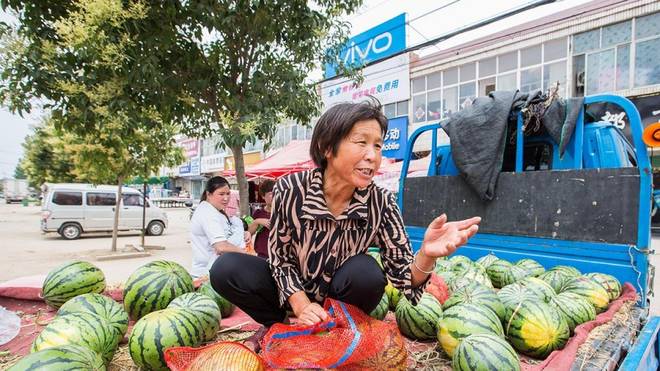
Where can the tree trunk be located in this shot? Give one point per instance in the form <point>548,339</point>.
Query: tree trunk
<point>239,166</point>
<point>115,225</point>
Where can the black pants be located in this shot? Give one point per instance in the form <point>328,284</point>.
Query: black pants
<point>246,281</point>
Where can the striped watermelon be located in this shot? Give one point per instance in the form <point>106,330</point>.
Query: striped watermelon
<point>61,358</point>
<point>486,260</point>
<point>456,259</point>
<point>589,290</point>
<point>512,295</point>
<point>470,276</point>
<point>514,274</point>
<point>536,329</point>
<point>205,309</point>
<point>532,266</point>
<point>608,282</point>
<point>393,295</point>
<point>381,309</point>
<point>83,329</point>
<point>153,286</point>
<point>567,269</point>
<point>442,265</point>
<point>70,280</point>
<point>476,294</point>
<point>575,309</point>
<point>160,330</point>
<point>496,272</point>
<point>102,306</point>
<point>226,307</point>
<point>556,279</point>
<point>538,288</point>
<point>463,320</point>
<point>485,352</point>
<point>419,321</point>
<point>447,276</point>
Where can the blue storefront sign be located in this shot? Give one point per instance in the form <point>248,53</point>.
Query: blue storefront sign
<point>396,138</point>
<point>377,43</point>
<point>195,166</point>
<point>185,169</point>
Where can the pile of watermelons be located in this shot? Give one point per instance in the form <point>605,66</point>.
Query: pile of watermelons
<point>534,312</point>
<point>89,326</point>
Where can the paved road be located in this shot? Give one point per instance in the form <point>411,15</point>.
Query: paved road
<point>26,251</point>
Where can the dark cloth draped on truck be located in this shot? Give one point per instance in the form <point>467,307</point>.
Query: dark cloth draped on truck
<point>479,137</point>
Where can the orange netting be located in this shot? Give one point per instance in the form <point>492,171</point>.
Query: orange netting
<point>349,339</point>
<point>224,355</point>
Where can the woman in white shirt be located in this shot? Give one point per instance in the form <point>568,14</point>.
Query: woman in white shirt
<point>212,231</point>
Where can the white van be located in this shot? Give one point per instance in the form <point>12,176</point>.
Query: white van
<point>72,209</point>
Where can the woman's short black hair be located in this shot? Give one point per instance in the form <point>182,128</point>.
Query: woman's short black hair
<point>213,184</point>
<point>335,124</point>
<point>266,186</point>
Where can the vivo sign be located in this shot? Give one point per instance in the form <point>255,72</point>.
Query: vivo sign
<point>379,42</point>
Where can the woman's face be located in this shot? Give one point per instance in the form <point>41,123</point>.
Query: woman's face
<point>268,197</point>
<point>219,198</point>
<point>359,154</point>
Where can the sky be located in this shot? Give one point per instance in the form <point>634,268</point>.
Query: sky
<point>426,20</point>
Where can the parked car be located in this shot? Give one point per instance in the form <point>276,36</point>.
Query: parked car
<point>73,209</point>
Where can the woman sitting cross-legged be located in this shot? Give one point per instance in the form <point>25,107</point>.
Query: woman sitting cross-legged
<point>324,220</point>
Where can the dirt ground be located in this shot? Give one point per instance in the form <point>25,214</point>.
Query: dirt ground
<point>26,251</point>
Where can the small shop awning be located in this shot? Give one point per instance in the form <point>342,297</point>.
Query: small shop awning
<point>292,158</point>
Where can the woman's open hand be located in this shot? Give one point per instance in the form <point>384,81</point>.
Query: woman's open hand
<point>442,238</point>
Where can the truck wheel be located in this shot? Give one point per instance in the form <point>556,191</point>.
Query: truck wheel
<point>155,228</point>
<point>70,231</point>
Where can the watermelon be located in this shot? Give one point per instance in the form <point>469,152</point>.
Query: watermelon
<point>381,309</point>
<point>102,306</point>
<point>575,309</point>
<point>205,309</point>
<point>567,269</point>
<point>538,288</point>
<point>470,276</point>
<point>447,276</point>
<point>442,265</point>
<point>608,282</point>
<point>512,295</point>
<point>556,279</point>
<point>159,330</point>
<point>419,322</point>
<point>476,294</point>
<point>486,260</point>
<point>536,329</point>
<point>496,272</point>
<point>532,266</point>
<point>83,329</point>
<point>589,290</point>
<point>463,320</point>
<point>61,358</point>
<point>514,274</point>
<point>456,259</point>
<point>153,286</point>
<point>226,307</point>
<point>393,295</point>
<point>70,280</point>
<point>485,352</point>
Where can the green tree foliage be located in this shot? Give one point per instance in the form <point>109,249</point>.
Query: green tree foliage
<point>233,67</point>
<point>18,171</point>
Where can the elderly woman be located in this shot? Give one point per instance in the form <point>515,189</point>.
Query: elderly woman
<point>324,220</point>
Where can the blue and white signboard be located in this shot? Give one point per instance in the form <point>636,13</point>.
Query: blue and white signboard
<point>396,138</point>
<point>379,42</point>
<point>185,168</point>
<point>195,166</point>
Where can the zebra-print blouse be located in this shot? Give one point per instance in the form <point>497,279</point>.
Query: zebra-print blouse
<point>307,244</point>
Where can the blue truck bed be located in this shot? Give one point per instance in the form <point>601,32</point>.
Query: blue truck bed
<point>590,209</point>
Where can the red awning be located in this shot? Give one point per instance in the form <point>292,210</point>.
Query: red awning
<point>292,158</point>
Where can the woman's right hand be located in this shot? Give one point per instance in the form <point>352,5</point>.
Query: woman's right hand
<point>312,314</point>
<point>263,221</point>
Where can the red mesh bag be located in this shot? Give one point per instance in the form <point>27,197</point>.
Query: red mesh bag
<point>350,339</point>
<point>223,355</point>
